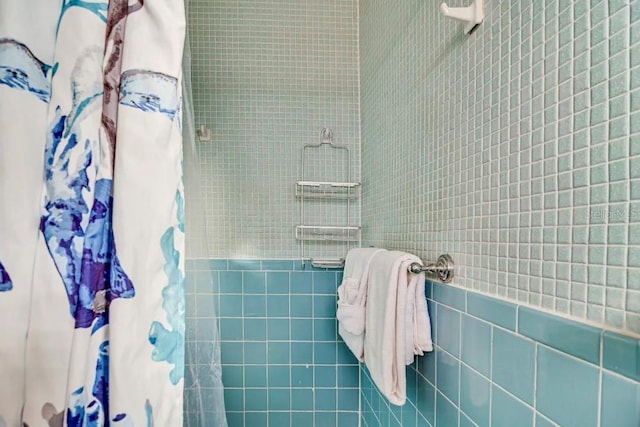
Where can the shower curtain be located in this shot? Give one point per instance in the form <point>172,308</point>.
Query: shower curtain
<point>91,213</point>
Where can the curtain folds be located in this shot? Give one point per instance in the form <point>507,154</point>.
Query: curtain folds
<point>91,213</point>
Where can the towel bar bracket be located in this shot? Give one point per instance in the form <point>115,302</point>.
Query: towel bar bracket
<point>443,268</point>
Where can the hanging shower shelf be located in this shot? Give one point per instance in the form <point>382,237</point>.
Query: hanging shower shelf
<point>336,206</point>
<point>327,190</point>
<point>328,233</point>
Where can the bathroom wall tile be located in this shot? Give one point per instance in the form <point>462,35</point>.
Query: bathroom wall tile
<point>567,389</point>
<point>276,264</point>
<point>447,412</point>
<point>475,395</point>
<point>513,361</point>
<point>448,330</point>
<point>621,354</point>
<point>501,313</point>
<point>243,264</point>
<point>255,418</point>
<point>448,376</point>
<point>268,357</point>
<point>449,295</point>
<point>620,401</point>
<point>278,418</point>
<point>572,337</point>
<point>255,399</point>
<point>506,408</point>
<point>277,282</point>
<point>476,344</point>
<point>426,399</point>
<point>302,399</point>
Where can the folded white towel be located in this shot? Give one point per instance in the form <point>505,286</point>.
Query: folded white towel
<point>397,322</point>
<point>352,297</point>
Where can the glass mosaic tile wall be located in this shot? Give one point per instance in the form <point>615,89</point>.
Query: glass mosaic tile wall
<point>267,77</point>
<point>502,365</point>
<point>515,149</point>
<point>282,361</point>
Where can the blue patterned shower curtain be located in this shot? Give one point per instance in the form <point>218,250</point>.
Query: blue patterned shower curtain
<point>91,213</point>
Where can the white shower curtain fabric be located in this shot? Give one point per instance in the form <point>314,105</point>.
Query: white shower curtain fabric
<point>91,213</point>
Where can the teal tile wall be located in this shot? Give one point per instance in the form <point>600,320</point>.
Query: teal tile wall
<point>267,77</point>
<point>515,149</point>
<point>282,361</point>
<point>507,378</point>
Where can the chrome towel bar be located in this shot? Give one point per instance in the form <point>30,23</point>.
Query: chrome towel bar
<point>443,268</point>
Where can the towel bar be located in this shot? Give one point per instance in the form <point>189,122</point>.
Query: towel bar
<point>443,268</point>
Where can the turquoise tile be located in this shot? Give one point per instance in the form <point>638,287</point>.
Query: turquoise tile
<point>230,305</point>
<point>301,305</point>
<point>501,313</point>
<point>255,329</point>
<point>234,399</point>
<point>255,376</point>
<point>254,353</point>
<point>254,306</point>
<point>324,352</point>
<point>301,418</point>
<point>505,409</point>
<point>278,376</point>
<point>448,375</point>
<point>278,352</point>
<point>233,375</point>
<point>244,264</point>
<point>324,306</point>
<point>277,282</point>
<point>325,399</point>
<point>234,419</point>
<point>513,364</point>
<point>620,402</point>
<point>449,295</point>
<point>476,344</point>
<point>448,330</point>
<point>274,264</point>
<point>426,399</point>
<point>255,418</point>
<point>302,329</point>
<point>541,421</point>
<point>325,376</point>
<point>447,413</point>
<point>255,399</point>
<point>278,418</point>
<point>302,399</point>
<point>278,305</point>
<point>572,337</point>
<point>302,376</point>
<point>465,421</point>
<point>301,282</point>
<point>621,354</point>
<point>427,366</point>
<point>345,419</point>
<point>475,394</point>
<point>253,282</point>
<point>279,399</point>
<point>230,330</point>
<point>230,282</point>
<point>348,399</point>
<point>278,329</point>
<point>567,389</point>
<point>324,282</point>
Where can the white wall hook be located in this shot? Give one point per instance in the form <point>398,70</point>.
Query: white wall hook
<point>472,15</point>
<point>204,133</point>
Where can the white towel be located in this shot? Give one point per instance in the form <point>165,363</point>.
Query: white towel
<point>397,322</point>
<point>352,297</point>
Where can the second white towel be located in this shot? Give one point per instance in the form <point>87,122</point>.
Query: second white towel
<point>397,322</point>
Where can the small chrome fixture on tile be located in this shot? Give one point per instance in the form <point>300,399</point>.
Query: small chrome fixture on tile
<point>204,133</point>
<point>443,268</point>
<point>472,15</point>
